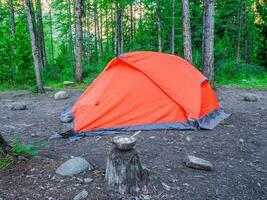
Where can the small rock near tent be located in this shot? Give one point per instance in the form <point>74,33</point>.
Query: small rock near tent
<point>146,91</point>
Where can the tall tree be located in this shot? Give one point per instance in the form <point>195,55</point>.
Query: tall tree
<point>246,54</point>
<point>118,36</point>
<point>40,33</point>
<point>96,32</point>
<point>187,32</point>
<point>159,26</point>
<point>79,40</point>
<point>88,43</point>
<point>51,32</point>
<point>239,35</point>
<point>121,31</point>
<point>12,18</point>
<point>208,39</point>
<point>173,28</point>
<point>35,52</point>
<point>70,38</point>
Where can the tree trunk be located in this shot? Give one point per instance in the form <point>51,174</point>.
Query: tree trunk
<point>121,32</point>
<point>239,36</point>
<point>246,56</point>
<point>40,32</point>
<point>107,30</point>
<point>173,28</point>
<point>96,33</point>
<point>4,145</point>
<point>131,22</point>
<point>51,32</point>
<point>79,39</point>
<point>88,47</point>
<point>159,27</point>
<point>34,46</point>
<point>99,31</point>
<point>187,32</point>
<point>116,33</point>
<point>70,40</point>
<point>208,39</point>
<point>12,18</point>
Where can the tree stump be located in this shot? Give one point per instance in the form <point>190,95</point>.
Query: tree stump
<point>124,173</point>
<point>4,144</point>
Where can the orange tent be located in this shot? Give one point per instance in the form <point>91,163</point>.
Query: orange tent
<point>147,90</point>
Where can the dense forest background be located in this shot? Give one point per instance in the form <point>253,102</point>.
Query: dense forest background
<point>111,27</point>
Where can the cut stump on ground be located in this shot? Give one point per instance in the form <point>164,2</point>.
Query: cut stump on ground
<point>124,173</point>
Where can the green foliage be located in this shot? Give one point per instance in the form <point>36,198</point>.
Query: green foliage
<point>5,160</point>
<point>245,75</point>
<point>16,65</point>
<point>29,149</point>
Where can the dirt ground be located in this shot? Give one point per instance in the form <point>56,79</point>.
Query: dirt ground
<point>237,148</point>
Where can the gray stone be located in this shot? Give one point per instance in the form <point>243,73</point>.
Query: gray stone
<point>61,95</point>
<point>48,89</point>
<point>251,98</point>
<point>82,195</point>
<point>74,166</point>
<point>18,106</point>
<point>68,83</point>
<point>66,117</point>
<point>198,163</point>
<point>88,180</point>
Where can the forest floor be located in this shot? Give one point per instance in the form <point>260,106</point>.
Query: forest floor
<point>237,148</point>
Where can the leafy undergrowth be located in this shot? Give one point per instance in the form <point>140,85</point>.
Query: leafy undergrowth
<point>17,149</point>
<point>5,160</point>
<point>241,75</point>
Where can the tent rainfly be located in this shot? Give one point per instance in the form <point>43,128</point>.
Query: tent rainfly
<point>147,91</point>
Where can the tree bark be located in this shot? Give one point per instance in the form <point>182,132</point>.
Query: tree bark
<point>88,47</point>
<point>4,145</point>
<point>187,32</point>
<point>79,39</point>
<point>40,33</point>
<point>121,32</point>
<point>239,36</point>
<point>51,32</point>
<point>116,35</point>
<point>208,39</point>
<point>159,27</point>
<point>99,31</point>
<point>124,173</point>
<point>12,18</point>
<point>173,28</point>
<point>246,54</point>
<point>107,30</point>
<point>34,46</point>
<point>70,37</point>
<point>96,33</point>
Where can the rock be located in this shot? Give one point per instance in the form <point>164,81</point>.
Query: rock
<point>66,116</point>
<point>198,163</point>
<point>18,106</point>
<point>188,139</point>
<point>68,83</point>
<point>74,166</point>
<point>48,89</point>
<point>88,180</point>
<point>61,95</point>
<point>241,140</point>
<point>35,134</point>
<point>251,98</point>
<point>82,195</point>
